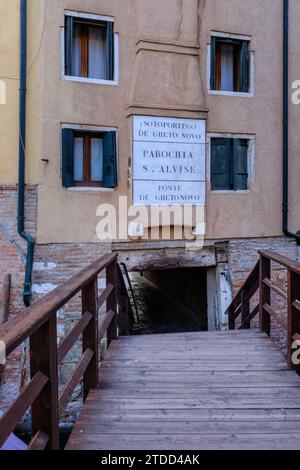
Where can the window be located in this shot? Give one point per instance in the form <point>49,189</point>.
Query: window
<point>229,164</point>
<point>89,159</point>
<point>230,65</point>
<point>89,48</point>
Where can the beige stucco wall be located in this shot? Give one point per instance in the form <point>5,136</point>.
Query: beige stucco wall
<point>162,71</point>
<point>9,63</point>
<point>9,74</point>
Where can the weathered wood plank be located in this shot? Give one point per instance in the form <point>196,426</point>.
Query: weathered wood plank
<point>92,425</point>
<point>192,415</point>
<point>140,365</point>
<point>187,442</point>
<point>206,379</point>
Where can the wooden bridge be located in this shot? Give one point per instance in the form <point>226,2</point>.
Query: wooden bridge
<point>219,390</point>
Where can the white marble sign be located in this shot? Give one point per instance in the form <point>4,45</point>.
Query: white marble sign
<point>168,161</point>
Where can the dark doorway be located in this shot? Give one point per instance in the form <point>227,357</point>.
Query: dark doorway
<point>171,301</point>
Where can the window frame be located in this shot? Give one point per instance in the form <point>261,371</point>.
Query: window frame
<point>251,73</point>
<point>87,157</point>
<point>84,79</point>
<point>96,132</point>
<point>250,161</point>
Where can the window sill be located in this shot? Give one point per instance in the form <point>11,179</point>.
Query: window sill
<point>231,93</point>
<point>90,189</point>
<point>94,81</point>
<point>230,191</point>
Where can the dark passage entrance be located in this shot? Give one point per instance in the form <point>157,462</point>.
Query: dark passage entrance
<point>171,301</point>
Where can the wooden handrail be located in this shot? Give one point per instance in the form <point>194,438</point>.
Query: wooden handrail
<point>241,302</point>
<point>260,281</point>
<point>39,324</point>
<point>15,331</point>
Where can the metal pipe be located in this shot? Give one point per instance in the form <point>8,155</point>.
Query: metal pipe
<point>22,155</point>
<point>285,206</point>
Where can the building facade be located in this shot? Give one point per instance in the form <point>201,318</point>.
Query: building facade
<point>137,104</point>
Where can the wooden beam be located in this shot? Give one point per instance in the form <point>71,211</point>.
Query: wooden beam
<point>73,336</point>
<point>43,358</point>
<point>264,295</point>
<point>4,310</point>
<point>105,324</point>
<point>75,378</point>
<point>39,441</point>
<point>90,335</point>
<point>10,420</point>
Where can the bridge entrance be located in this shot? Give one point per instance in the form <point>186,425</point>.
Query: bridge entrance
<point>170,301</point>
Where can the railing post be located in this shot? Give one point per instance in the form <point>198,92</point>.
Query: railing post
<point>90,335</point>
<point>264,294</point>
<point>111,303</point>
<point>293,315</point>
<point>245,309</point>
<point>231,319</point>
<point>43,358</point>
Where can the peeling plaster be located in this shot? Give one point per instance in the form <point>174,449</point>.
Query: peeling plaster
<point>43,288</point>
<point>40,266</point>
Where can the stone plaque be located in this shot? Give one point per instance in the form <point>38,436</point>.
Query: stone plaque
<point>168,161</point>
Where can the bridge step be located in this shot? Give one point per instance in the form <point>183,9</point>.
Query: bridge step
<point>225,390</point>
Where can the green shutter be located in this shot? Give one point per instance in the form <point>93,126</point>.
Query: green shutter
<point>67,158</point>
<point>213,63</point>
<point>240,164</point>
<point>244,67</point>
<point>110,179</point>
<point>68,45</point>
<point>220,164</point>
<point>110,50</point>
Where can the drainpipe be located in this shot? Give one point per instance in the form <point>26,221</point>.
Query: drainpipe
<point>286,90</point>
<point>22,155</point>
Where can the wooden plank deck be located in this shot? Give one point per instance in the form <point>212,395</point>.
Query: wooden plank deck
<point>192,391</point>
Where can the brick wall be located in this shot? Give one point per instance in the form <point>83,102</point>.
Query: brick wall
<point>12,261</point>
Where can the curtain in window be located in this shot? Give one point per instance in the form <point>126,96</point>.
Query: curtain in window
<point>76,51</point>
<point>78,159</point>
<point>96,159</point>
<point>227,67</point>
<point>97,53</point>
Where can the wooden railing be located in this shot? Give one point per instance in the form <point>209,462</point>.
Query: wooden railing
<point>260,282</point>
<point>39,324</point>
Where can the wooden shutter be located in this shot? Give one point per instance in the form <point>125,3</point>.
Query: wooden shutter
<point>213,63</point>
<point>110,179</point>
<point>67,158</point>
<point>240,152</point>
<point>244,67</point>
<point>110,50</point>
<point>68,45</point>
<point>220,164</point>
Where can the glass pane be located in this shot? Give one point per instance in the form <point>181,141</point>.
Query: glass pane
<point>76,51</point>
<point>78,159</point>
<point>227,67</point>
<point>96,160</point>
<point>97,52</point>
